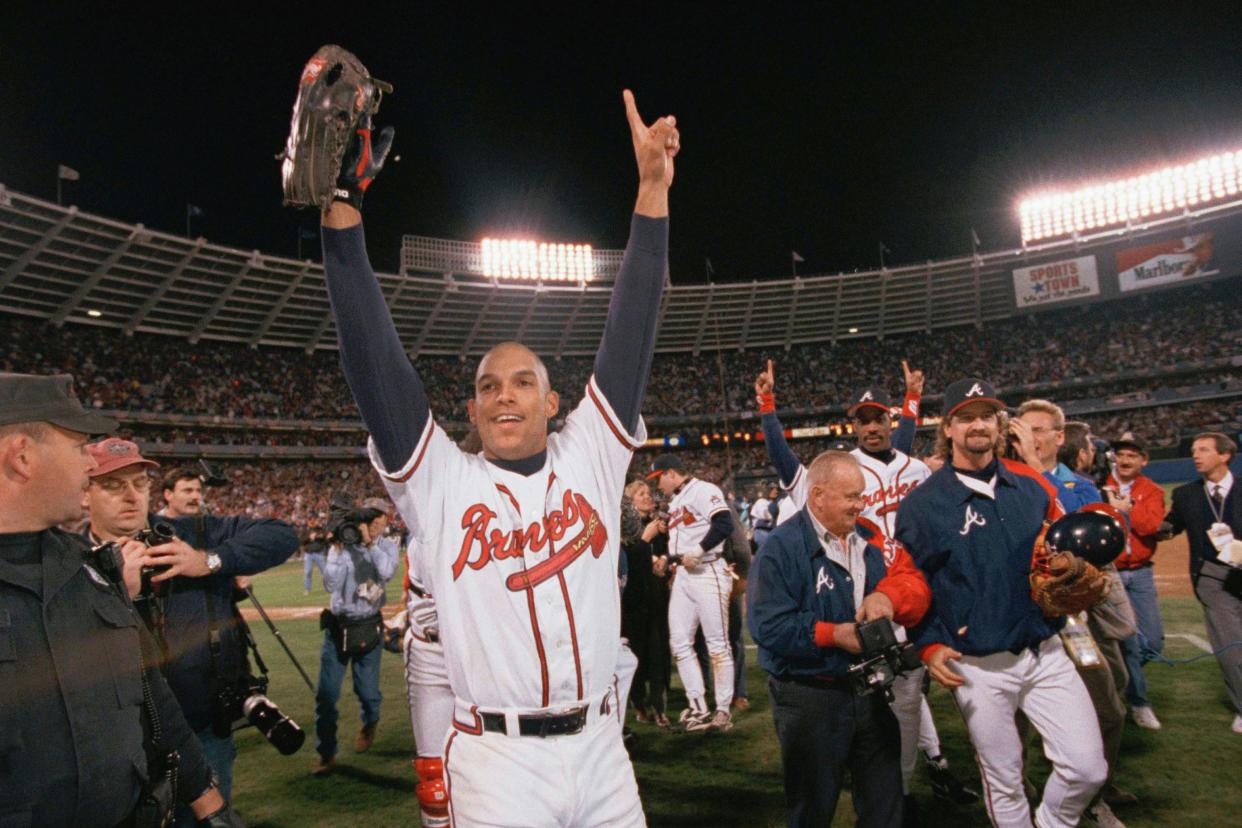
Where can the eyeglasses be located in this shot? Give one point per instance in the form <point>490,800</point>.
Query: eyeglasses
<point>114,485</point>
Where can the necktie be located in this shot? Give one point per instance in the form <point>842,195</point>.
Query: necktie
<point>1217,498</point>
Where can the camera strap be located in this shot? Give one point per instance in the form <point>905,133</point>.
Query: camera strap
<point>214,634</point>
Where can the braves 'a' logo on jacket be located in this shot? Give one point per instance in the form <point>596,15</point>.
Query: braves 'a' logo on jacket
<point>973,518</point>
<point>483,543</point>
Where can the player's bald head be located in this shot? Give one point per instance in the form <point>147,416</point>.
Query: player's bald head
<point>512,354</point>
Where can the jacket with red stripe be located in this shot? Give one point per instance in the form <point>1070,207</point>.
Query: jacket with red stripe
<point>797,595</point>
<point>1145,518</point>
<point>974,542</point>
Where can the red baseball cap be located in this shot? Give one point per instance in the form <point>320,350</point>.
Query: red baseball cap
<point>115,453</point>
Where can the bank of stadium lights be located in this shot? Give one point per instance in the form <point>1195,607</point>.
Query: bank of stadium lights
<point>1169,190</point>
<point>537,261</point>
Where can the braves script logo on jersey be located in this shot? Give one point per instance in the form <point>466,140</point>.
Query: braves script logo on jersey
<point>888,498</point>
<point>488,543</point>
<point>973,518</point>
<point>682,516</point>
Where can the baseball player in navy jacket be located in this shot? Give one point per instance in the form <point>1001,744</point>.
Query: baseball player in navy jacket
<point>971,528</point>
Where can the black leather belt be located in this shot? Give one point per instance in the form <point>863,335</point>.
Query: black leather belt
<point>541,725</point>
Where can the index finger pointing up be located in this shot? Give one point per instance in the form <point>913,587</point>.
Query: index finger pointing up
<point>771,371</point>
<point>637,127</point>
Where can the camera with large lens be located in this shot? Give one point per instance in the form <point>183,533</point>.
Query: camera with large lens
<point>246,702</point>
<point>345,520</point>
<point>883,658</point>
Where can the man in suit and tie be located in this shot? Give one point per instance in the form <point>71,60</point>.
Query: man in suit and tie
<point>1210,512</point>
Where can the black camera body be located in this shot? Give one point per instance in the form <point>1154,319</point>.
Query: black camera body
<point>883,658</point>
<point>246,701</point>
<point>109,562</point>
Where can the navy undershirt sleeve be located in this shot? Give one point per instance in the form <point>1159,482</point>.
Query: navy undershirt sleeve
<point>623,361</point>
<point>387,389</point>
<point>782,457</point>
<point>903,435</point>
<point>721,528</point>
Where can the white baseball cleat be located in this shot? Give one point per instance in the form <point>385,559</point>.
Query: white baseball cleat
<point>1145,717</point>
<point>1103,816</point>
<point>693,720</point>
<point>722,720</point>
<point>1237,724</point>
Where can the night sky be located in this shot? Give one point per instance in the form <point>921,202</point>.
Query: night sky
<point>817,129</point>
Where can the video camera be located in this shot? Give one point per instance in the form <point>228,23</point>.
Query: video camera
<point>1105,462</point>
<point>345,520</point>
<point>883,659</point>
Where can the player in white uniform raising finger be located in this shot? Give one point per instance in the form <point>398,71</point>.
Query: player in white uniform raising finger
<point>699,521</point>
<point>521,540</point>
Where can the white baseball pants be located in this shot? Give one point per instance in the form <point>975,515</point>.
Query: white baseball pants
<point>700,597</point>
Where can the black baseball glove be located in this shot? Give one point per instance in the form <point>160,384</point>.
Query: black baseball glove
<point>332,115</point>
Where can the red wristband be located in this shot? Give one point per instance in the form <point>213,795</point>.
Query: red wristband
<point>823,634</point>
<point>910,406</point>
<point>767,403</point>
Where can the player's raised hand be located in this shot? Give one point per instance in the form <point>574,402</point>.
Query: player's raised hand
<point>938,667</point>
<point>914,379</point>
<point>766,381</point>
<point>655,146</point>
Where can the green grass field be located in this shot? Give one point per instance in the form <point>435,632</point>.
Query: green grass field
<point>1185,774</point>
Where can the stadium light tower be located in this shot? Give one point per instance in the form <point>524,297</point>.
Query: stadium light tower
<point>537,261</point>
<point>1055,213</point>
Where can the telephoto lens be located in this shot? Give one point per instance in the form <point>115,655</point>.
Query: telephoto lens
<point>280,730</point>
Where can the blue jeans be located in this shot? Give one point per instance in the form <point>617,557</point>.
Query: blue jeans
<point>366,670</point>
<point>220,754</point>
<point>310,562</point>
<point>1139,649</point>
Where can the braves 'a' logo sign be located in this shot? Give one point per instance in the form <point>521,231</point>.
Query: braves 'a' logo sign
<point>483,543</point>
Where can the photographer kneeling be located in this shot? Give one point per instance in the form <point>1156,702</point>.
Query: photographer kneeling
<point>186,593</point>
<point>361,559</point>
<point>814,578</point>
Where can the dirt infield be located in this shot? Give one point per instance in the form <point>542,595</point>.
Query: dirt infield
<point>299,613</point>
<point>1173,568</point>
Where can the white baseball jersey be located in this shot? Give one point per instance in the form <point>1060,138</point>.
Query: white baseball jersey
<point>690,516</point>
<point>759,517</point>
<point>885,486</point>
<point>524,568</point>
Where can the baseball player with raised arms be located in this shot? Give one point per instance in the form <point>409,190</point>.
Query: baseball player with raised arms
<point>890,474</point>
<point>888,468</point>
<point>521,540</point>
<point>973,527</point>
<point>699,521</point>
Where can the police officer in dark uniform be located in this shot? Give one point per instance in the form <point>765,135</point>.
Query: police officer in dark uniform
<point>815,577</point>
<point>74,731</point>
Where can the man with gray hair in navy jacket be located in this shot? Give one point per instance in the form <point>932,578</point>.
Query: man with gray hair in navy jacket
<point>818,575</point>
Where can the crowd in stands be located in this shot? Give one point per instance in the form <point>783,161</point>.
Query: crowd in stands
<point>161,374</point>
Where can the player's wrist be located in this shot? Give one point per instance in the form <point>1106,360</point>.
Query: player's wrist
<point>767,402</point>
